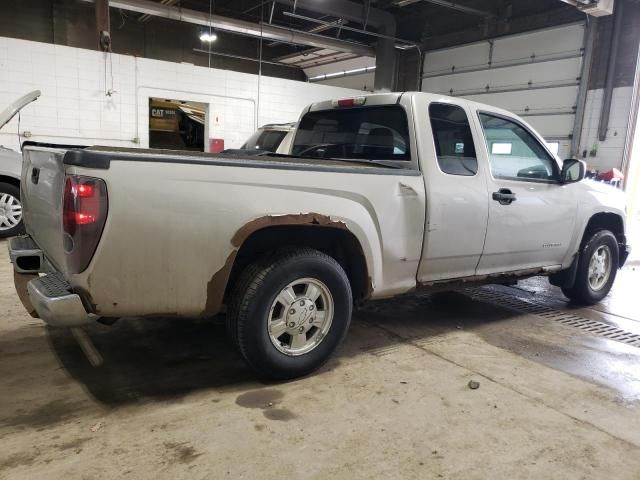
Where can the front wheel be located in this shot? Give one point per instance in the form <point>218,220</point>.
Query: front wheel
<point>10,211</point>
<point>597,267</point>
<point>289,312</point>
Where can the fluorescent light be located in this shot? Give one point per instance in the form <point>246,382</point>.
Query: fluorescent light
<point>208,36</point>
<point>343,73</point>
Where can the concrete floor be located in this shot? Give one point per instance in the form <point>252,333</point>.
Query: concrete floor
<point>172,399</point>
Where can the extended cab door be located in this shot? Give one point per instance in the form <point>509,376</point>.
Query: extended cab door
<point>531,214</point>
<point>455,181</point>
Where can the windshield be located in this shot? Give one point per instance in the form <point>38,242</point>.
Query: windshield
<point>265,140</point>
<point>369,133</point>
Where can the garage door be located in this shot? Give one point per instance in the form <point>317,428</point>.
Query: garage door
<point>535,75</point>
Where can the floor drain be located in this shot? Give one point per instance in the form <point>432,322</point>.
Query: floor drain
<point>594,327</point>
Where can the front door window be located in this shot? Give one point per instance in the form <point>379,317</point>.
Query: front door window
<point>514,153</point>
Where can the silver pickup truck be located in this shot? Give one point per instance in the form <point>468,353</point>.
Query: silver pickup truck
<point>381,195</point>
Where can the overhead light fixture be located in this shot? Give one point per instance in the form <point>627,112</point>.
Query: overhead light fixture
<point>343,73</point>
<point>208,37</point>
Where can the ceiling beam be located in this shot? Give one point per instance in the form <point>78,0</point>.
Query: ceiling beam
<point>448,4</point>
<point>241,27</point>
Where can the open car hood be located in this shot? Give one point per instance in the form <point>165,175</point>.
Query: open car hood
<point>8,113</point>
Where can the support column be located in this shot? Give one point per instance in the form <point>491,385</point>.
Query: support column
<point>384,80</point>
<point>103,25</point>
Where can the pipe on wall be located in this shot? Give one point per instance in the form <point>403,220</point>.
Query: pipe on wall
<point>585,74</point>
<point>607,94</point>
<point>384,23</point>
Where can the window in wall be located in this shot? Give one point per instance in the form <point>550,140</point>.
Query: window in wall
<point>455,150</point>
<point>554,147</point>
<point>514,152</point>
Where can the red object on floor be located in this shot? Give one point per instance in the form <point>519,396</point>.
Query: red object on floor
<point>612,174</point>
<point>216,145</point>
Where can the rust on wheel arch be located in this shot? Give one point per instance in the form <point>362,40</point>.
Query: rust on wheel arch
<point>311,218</point>
<point>217,285</point>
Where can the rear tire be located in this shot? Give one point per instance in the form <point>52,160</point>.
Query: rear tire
<point>10,211</point>
<point>289,312</point>
<point>597,268</point>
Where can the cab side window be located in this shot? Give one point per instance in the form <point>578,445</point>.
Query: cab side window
<point>514,153</point>
<point>453,140</point>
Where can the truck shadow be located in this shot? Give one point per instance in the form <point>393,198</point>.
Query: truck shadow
<point>165,359</point>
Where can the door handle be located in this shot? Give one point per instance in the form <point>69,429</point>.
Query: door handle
<point>504,196</point>
<point>35,175</point>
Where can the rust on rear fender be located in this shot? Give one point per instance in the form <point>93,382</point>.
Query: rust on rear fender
<point>218,284</point>
<point>310,218</point>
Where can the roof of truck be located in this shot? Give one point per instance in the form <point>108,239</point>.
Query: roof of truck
<point>279,126</point>
<point>389,98</point>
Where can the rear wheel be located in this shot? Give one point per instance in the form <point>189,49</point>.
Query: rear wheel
<point>597,269</point>
<point>10,211</point>
<point>289,312</point>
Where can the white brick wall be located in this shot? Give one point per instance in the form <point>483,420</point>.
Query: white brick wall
<point>610,151</point>
<point>74,109</point>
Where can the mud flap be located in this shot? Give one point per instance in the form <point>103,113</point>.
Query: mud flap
<point>566,278</point>
<point>20,281</point>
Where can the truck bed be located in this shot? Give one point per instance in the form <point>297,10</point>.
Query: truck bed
<point>176,219</point>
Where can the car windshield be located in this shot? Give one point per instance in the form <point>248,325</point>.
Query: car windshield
<point>368,133</point>
<point>265,140</point>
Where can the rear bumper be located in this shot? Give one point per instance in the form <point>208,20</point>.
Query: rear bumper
<point>49,297</point>
<point>25,255</point>
<point>55,303</point>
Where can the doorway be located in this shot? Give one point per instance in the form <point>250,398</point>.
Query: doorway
<point>633,186</point>
<point>177,124</point>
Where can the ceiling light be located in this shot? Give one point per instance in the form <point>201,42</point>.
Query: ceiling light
<point>208,37</point>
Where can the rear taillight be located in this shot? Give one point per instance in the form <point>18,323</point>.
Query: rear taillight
<point>84,214</point>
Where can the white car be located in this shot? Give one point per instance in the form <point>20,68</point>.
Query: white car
<point>274,137</point>
<point>10,169</point>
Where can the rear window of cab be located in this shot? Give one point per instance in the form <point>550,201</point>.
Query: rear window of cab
<point>372,133</point>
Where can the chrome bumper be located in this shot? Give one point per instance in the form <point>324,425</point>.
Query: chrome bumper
<point>56,304</point>
<point>49,297</point>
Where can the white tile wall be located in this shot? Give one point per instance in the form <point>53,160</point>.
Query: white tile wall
<point>609,152</point>
<point>74,109</point>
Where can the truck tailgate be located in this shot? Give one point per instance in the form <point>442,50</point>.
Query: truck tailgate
<point>42,190</point>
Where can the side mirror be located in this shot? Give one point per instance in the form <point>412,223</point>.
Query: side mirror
<point>573,170</point>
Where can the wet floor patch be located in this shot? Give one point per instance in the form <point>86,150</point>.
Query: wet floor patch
<point>279,414</point>
<point>260,398</point>
<point>568,318</point>
<point>266,400</point>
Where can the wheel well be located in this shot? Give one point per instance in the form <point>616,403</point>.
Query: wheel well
<point>10,180</point>
<point>339,243</point>
<point>605,221</point>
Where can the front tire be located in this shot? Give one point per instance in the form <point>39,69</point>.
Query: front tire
<point>289,312</point>
<point>597,268</point>
<point>10,211</point>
